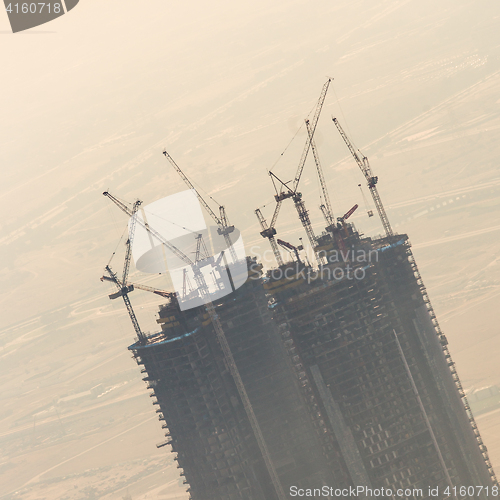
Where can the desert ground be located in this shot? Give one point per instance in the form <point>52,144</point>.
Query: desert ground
<point>89,102</point>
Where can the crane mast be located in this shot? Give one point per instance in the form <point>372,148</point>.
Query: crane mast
<point>128,255</point>
<point>224,229</point>
<point>299,206</point>
<point>304,219</point>
<point>371,180</point>
<point>326,213</point>
<point>221,337</point>
<point>269,232</point>
<point>123,291</point>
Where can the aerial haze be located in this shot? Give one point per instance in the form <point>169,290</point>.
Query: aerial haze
<point>90,100</point>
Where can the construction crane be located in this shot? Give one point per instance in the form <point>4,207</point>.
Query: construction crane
<point>291,192</point>
<point>131,232</point>
<point>312,125</point>
<point>326,206</point>
<point>294,249</point>
<point>123,288</point>
<point>123,292</point>
<point>269,232</point>
<point>132,286</point>
<point>368,211</point>
<point>346,216</point>
<point>221,337</point>
<point>224,229</point>
<point>372,180</point>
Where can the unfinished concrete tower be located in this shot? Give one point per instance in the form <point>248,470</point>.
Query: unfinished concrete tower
<point>203,415</point>
<point>367,337</point>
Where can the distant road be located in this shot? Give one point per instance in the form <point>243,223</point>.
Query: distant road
<point>72,414</point>
<point>126,431</point>
<point>454,192</point>
<point>456,237</point>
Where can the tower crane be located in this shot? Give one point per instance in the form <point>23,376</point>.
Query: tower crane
<point>131,232</point>
<point>132,286</point>
<point>126,287</point>
<point>221,337</point>
<point>123,288</point>
<point>123,292</point>
<point>291,192</point>
<point>224,229</point>
<point>370,179</point>
<point>269,231</point>
<point>326,206</point>
<point>346,216</point>
<point>312,125</point>
<point>291,247</point>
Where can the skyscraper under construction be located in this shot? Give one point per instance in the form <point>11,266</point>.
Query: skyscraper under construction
<point>207,426</point>
<point>347,371</point>
<point>365,332</point>
<point>335,379</point>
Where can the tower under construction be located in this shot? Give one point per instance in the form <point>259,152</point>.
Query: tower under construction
<point>348,373</point>
<point>365,332</point>
<point>205,422</point>
<point>323,379</point>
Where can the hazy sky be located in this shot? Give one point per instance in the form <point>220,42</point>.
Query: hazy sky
<point>89,101</point>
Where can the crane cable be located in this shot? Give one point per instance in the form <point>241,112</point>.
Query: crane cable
<point>344,118</point>
<point>121,238</point>
<point>292,139</point>
<point>365,201</point>
<point>287,146</point>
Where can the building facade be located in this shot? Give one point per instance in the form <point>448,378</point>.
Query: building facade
<point>348,374</point>
<point>204,418</point>
<point>364,329</point>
